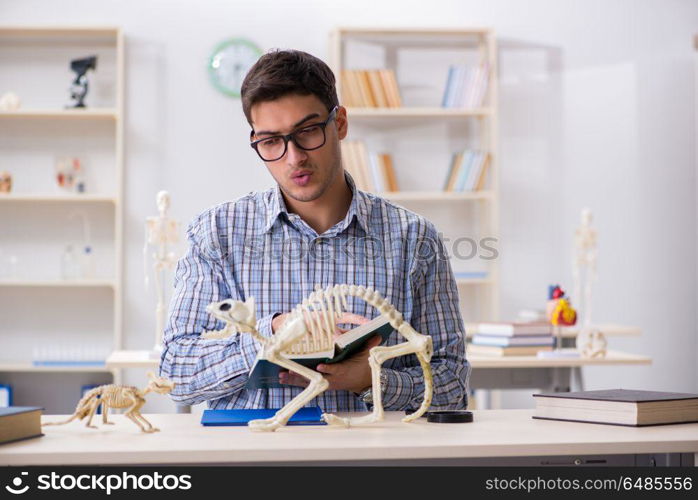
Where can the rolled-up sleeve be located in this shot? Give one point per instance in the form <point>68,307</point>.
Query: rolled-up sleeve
<point>204,369</point>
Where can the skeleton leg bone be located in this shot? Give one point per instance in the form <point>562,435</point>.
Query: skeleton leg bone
<point>131,414</point>
<point>105,411</point>
<point>317,385</point>
<point>377,356</point>
<point>93,409</point>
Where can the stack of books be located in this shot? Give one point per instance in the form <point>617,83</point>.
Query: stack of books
<point>618,407</point>
<point>370,89</point>
<point>512,339</point>
<point>468,171</point>
<point>372,172</point>
<point>466,86</point>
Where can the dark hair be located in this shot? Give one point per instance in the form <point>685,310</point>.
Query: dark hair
<point>281,72</point>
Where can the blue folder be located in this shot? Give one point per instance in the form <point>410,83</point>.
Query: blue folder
<point>305,416</point>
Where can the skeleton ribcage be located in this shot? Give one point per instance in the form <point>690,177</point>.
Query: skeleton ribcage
<point>120,397</point>
<point>323,307</point>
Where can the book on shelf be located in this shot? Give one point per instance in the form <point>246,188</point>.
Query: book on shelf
<point>265,374</point>
<point>392,89</point>
<point>375,88</point>
<point>467,171</point>
<point>371,171</point>
<point>492,350</point>
<point>618,407</point>
<point>380,97</point>
<point>514,329</point>
<point>19,422</point>
<point>5,395</point>
<point>506,341</point>
<point>466,86</point>
<point>310,415</point>
<point>389,172</point>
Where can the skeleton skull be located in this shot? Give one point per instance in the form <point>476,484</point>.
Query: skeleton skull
<point>240,314</point>
<point>160,385</point>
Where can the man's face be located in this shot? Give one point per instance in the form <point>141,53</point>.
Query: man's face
<point>302,175</point>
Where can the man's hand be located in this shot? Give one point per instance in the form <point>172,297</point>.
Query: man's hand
<point>353,374</point>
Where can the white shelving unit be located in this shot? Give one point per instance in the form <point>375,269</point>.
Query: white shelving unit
<point>38,220</point>
<point>401,50</point>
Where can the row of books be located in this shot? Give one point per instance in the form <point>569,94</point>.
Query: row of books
<point>370,89</point>
<point>468,171</point>
<point>512,339</point>
<point>466,86</point>
<point>371,171</point>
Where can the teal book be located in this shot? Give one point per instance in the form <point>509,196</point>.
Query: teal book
<point>466,165</point>
<point>265,374</point>
<point>311,415</point>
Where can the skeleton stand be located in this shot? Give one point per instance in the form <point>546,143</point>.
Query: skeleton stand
<point>161,231</point>
<point>590,341</point>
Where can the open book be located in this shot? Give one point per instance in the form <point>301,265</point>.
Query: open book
<point>265,374</point>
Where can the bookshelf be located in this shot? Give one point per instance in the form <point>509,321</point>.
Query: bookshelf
<point>422,131</point>
<point>78,314</point>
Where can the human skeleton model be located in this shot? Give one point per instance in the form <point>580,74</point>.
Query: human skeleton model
<point>310,328</point>
<point>161,231</point>
<point>590,341</point>
<point>119,396</point>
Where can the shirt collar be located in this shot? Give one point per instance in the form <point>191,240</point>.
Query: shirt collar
<point>359,207</point>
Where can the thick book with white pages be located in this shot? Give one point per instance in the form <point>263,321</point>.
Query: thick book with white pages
<point>618,407</point>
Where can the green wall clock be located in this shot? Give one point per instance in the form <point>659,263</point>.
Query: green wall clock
<point>229,63</point>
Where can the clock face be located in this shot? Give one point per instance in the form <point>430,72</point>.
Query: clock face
<point>230,62</point>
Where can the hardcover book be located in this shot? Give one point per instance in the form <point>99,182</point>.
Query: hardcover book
<point>265,374</point>
<point>618,407</point>
<point>506,341</point>
<point>493,350</point>
<point>514,329</point>
<point>19,422</point>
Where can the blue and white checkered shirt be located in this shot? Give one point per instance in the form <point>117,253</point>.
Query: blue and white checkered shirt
<point>253,247</point>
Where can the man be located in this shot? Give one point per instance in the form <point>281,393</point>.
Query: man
<point>314,227</point>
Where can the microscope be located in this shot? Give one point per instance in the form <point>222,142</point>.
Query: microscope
<point>79,87</point>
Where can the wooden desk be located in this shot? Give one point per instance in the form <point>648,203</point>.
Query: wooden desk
<point>501,437</point>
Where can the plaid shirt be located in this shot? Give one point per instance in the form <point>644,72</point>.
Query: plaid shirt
<point>253,247</point>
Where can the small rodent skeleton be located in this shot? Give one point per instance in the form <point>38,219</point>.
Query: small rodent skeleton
<point>119,396</point>
<point>309,328</point>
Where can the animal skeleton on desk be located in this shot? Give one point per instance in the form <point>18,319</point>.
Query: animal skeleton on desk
<point>310,328</point>
<point>119,396</point>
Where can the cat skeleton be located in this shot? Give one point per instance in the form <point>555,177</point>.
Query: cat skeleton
<point>310,328</point>
<point>119,396</point>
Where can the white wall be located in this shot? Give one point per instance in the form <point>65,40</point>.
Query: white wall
<point>596,109</point>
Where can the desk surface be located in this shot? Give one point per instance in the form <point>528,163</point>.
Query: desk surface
<point>495,433</point>
<point>611,358</point>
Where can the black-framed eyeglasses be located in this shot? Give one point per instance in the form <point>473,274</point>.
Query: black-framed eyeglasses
<point>308,138</point>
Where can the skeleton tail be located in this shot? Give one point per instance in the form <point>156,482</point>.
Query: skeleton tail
<point>83,407</point>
